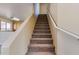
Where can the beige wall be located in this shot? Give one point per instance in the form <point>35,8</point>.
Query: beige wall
<point>52,9</point>
<point>66,16</point>
<point>43,8</point>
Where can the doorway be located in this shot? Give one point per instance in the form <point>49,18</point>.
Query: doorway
<point>36,9</point>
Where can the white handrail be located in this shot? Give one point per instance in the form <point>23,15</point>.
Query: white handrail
<point>65,31</point>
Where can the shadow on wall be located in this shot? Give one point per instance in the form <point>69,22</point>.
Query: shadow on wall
<point>36,9</point>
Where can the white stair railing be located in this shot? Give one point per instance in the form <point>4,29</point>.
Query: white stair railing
<point>65,42</point>
<point>63,30</point>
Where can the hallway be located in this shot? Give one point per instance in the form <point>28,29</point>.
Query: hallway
<point>41,42</point>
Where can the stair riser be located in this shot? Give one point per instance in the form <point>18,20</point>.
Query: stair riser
<point>41,39</point>
<point>41,36</point>
<point>42,25</point>
<point>41,53</point>
<point>41,49</point>
<point>42,18</point>
<point>41,31</point>
<point>41,42</point>
<point>42,28</point>
<point>42,22</point>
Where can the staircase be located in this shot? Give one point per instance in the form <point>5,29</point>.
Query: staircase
<point>41,42</point>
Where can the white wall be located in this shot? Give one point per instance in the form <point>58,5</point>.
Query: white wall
<point>37,9</point>
<point>5,10</point>
<point>66,17</point>
<point>66,44</point>
<point>43,8</point>
<point>4,36</point>
<point>21,10</point>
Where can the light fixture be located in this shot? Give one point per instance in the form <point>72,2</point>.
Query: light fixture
<point>15,19</point>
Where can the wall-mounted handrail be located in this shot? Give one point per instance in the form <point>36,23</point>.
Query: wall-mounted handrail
<point>65,31</point>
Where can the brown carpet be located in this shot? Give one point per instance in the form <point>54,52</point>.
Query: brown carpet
<point>41,42</point>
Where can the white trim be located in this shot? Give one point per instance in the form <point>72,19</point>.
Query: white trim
<point>65,31</point>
